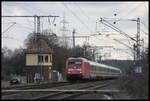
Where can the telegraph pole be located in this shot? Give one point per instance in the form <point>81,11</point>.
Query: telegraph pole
<point>93,55</point>
<point>138,66</point>
<point>134,59</point>
<point>73,37</point>
<point>38,25</point>
<point>35,24</point>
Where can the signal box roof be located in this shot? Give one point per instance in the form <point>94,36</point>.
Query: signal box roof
<point>39,46</point>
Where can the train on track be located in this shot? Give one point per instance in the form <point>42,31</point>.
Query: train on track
<point>83,69</point>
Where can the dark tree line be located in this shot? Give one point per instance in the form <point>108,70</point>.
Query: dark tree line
<point>136,84</point>
<point>14,62</point>
<point>126,66</point>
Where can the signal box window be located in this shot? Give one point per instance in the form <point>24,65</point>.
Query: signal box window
<point>46,58</point>
<point>50,58</point>
<point>40,59</point>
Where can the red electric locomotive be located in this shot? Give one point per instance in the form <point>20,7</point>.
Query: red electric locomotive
<point>81,68</point>
<point>76,68</point>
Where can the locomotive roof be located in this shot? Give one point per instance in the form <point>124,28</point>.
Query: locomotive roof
<point>95,63</point>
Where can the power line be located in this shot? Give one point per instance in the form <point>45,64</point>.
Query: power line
<point>9,27</point>
<point>31,16</point>
<point>7,22</point>
<point>24,26</point>
<point>29,22</point>
<point>144,24</point>
<point>115,28</point>
<point>77,17</point>
<point>131,11</point>
<point>82,11</point>
<point>123,50</point>
<point>37,23</point>
<point>123,44</point>
<point>146,33</point>
<point>11,38</point>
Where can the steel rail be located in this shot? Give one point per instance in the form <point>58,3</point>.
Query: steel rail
<point>64,93</point>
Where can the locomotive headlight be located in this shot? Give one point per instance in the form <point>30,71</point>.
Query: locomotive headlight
<point>70,69</point>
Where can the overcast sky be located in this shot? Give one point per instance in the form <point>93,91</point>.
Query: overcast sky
<point>81,16</point>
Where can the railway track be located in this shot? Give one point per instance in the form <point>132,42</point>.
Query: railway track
<point>56,92</point>
<point>69,94</point>
<point>29,85</point>
<point>32,86</point>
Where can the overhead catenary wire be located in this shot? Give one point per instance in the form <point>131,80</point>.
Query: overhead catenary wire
<point>12,38</point>
<point>144,24</point>
<point>129,36</point>
<point>145,33</point>
<point>82,12</point>
<point>9,27</point>
<point>125,51</point>
<point>7,22</point>
<point>131,11</point>
<point>7,37</point>
<point>77,18</point>
<point>50,23</point>
<point>20,25</point>
<point>117,30</point>
<point>31,16</point>
<point>122,44</point>
<point>24,26</point>
<point>29,22</point>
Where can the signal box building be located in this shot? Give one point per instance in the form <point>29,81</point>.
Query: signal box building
<point>38,61</point>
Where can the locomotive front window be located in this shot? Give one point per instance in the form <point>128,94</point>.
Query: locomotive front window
<point>75,63</point>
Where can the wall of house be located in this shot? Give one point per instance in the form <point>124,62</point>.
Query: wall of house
<point>32,60</point>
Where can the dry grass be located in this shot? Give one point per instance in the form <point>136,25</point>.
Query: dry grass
<point>136,86</point>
